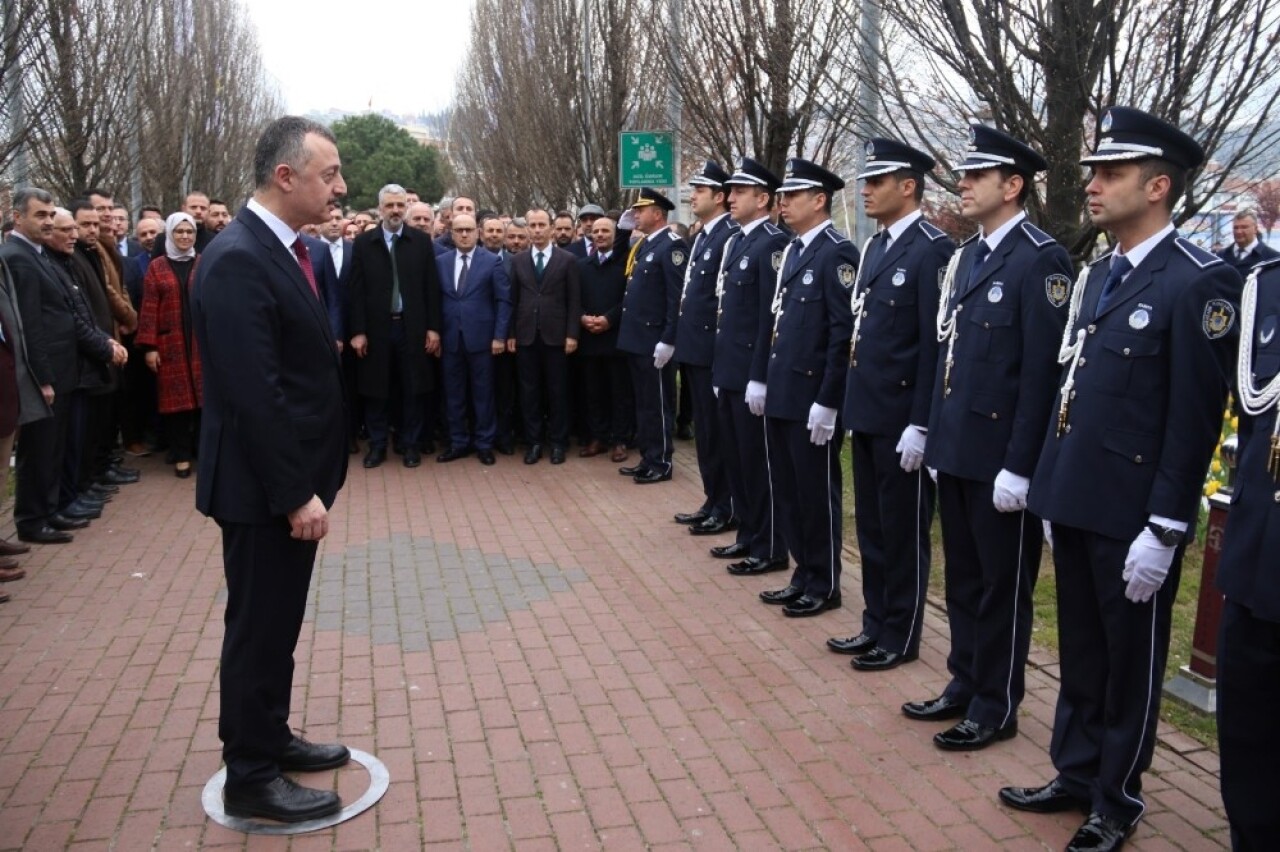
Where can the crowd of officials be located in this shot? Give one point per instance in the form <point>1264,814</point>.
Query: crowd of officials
<point>985,382</point>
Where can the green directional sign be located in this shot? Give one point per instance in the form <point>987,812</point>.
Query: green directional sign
<point>647,158</point>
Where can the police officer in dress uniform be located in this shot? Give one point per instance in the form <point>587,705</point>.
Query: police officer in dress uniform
<point>655,275</point>
<point>1147,356</point>
<point>804,388</point>
<point>1003,305</point>
<point>747,277</point>
<point>695,344</point>
<point>1249,576</point>
<point>893,359</point>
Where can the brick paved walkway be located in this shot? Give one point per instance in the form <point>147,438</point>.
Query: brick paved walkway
<point>542,660</point>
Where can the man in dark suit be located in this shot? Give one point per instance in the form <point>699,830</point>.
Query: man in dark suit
<point>272,458</point>
<point>892,362</point>
<point>546,305</point>
<point>394,325</point>
<point>49,326</point>
<point>1148,360</point>
<point>337,256</point>
<point>584,245</point>
<point>610,403</point>
<point>476,311</point>
<point>1248,250</point>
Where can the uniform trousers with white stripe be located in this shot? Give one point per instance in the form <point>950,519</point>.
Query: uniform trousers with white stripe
<point>655,411</point>
<point>747,465</point>
<point>1113,654</point>
<point>808,500</point>
<point>893,510</point>
<point>992,560</point>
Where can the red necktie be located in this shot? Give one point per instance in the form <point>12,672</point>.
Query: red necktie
<point>304,260</point>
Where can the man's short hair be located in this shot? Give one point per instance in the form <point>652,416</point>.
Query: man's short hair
<point>1028,183</point>
<point>23,196</point>
<point>284,141</point>
<point>1154,167</point>
<point>918,177</point>
<point>564,214</point>
<point>1246,214</point>
<point>390,189</point>
<point>75,205</point>
<point>213,201</point>
<point>98,191</point>
<point>149,208</point>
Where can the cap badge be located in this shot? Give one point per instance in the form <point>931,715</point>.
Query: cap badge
<point>871,150</point>
<point>1106,122</point>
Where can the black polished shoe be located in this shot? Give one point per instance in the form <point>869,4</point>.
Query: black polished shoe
<point>691,517</point>
<point>808,605</point>
<point>302,756</point>
<point>103,490</point>
<point>453,454</point>
<point>1052,798</point>
<point>786,595</point>
<point>730,551</point>
<point>860,644</point>
<point>111,477</point>
<point>757,565</point>
<point>412,457</point>
<point>485,456</point>
<point>281,799</point>
<point>634,470</point>
<point>45,535</point>
<point>968,735</point>
<point>62,523</point>
<point>533,454</point>
<point>652,476</point>
<point>125,471</point>
<point>1100,833</point>
<point>880,660</point>
<point>375,457</point>
<point>557,455</point>
<point>507,448</point>
<point>88,498</point>
<point>714,526</point>
<point>935,709</point>
<point>78,511</point>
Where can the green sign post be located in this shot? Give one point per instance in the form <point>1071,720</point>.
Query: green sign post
<point>646,158</point>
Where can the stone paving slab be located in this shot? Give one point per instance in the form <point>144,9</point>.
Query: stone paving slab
<point>541,659</point>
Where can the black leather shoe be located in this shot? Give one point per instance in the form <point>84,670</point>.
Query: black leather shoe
<point>103,489</point>
<point>485,456</point>
<point>533,454</point>
<point>860,644</point>
<point>412,457</point>
<point>281,799</point>
<point>714,526</point>
<point>453,454</point>
<point>968,735</point>
<point>808,605</point>
<point>1052,798</point>
<point>730,551</point>
<point>125,471</point>
<point>183,472</point>
<point>1100,833</point>
<point>302,756</point>
<point>634,470</point>
<point>782,596</point>
<point>880,660</point>
<point>935,709</point>
<point>757,565</point>
<point>375,457</point>
<point>64,524</point>
<point>557,455</point>
<point>111,477</point>
<point>651,476</point>
<point>45,535</point>
<point>507,448</point>
<point>691,517</point>
<point>78,511</point>
<point>87,498</point>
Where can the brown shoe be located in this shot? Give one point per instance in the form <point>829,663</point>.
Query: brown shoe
<point>12,548</point>
<point>4,597</point>
<point>9,573</point>
<point>619,453</point>
<point>591,450</point>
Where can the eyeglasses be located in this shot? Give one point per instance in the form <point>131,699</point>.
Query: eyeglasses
<point>463,230</point>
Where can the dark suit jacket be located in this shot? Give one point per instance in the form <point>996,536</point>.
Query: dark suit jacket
<point>274,424</point>
<point>371,308</point>
<point>551,309</point>
<point>577,248</point>
<point>47,320</point>
<point>480,313</point>
<point>1260,252</point>
<point>602,290</point>
<point>337,286</point>
<point>31,404</point>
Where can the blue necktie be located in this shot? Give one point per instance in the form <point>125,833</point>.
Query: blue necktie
<point>793,258</point>
<point>1120,267</point>
<point>879,247</point>
<point>980,252</point>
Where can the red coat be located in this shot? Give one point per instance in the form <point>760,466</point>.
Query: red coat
<point>179,384</point>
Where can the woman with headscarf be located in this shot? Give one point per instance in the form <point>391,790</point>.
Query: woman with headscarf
<point>165,336</point>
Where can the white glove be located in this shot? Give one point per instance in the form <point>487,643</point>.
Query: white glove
<point>911,445</point>
<point>1146,566</point>
<point>1048,534</point>
<point>822,424</point>
<point>1010,493</point>
<point>715,391</point>
<point>933,474</point>
<point>755,398</point>
<point>627,221</point>
<point>662,354</point>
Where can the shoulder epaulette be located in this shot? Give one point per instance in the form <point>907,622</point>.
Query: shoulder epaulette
<point>1266,264</point>
<point>932,231</point>
<point>1037,236</point>
<point>1104,256</point>
<point>673,236</point>
<point>834,235</point>
<point>1197,255</point>
<point>970,238</point>
<point>770,228</point>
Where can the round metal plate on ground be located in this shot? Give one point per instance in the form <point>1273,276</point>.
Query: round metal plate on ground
<point>379,781</point>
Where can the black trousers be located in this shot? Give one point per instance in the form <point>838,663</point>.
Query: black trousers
<point>544,369</point>
<point>378,412</point>
<point>268,574</point>
<point>1248,694</point>
<point>710,446</point>
<point>743,437</point>
<point>1113,653</point>
<point>655,411</point>
<point>992,560</point>
<point>893,511</point>
<point>77,446</point>
<point>180,429</point>
<point>808,495</point>
<point>610,399</point>
<point>137,396</point>
<point>41,444</point>
<point>506,388</point>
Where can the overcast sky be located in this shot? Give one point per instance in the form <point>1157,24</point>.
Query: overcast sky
<point>324,53</point>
